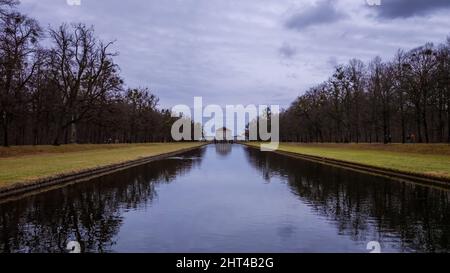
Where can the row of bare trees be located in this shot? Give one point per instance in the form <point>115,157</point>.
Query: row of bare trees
<point>403,100</point>
<point>69,90</point>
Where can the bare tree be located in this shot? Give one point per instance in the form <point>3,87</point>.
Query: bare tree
<point>6,6</point>
<point>422,64</point>
<point>18,62</point>
<point>390,101</point>
<point>83,71</point>
<point>70,89</point>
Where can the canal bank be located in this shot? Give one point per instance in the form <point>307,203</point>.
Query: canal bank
<point>230,198</point>
<point>99,168</point>
<point>385,166</point>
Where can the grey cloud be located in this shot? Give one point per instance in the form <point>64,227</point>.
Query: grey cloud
<point>323,12</point>
<point>392,9</point>
<point>332,61</point>
<point>287,51</point>
<point>232,52</point>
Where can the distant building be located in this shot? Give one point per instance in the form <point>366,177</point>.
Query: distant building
<point>223,134</point>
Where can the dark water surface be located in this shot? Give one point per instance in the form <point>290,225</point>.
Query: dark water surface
<point>229,198</point>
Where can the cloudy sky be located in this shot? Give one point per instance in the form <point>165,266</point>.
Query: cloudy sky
<point>246,51</point>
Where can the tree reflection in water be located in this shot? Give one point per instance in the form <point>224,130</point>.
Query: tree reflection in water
<point>88,212</point>
<point>363,206</point>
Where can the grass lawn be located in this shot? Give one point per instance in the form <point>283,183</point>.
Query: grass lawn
<point>27,163</point>
<point>429,159</point>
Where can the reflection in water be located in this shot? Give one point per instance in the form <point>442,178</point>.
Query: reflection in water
<point>363,206</point>
<point>90,213</point>
<point>228,198</point>
<point>223,149</point>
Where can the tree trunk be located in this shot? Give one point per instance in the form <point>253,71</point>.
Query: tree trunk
<point>448,121</point>
<point>5,134</point>
<point>418,124</point>
<point>73,133</point>
<point>425,125</point>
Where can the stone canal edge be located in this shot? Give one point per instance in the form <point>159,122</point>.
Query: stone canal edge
<point>29,187</point>
<point>416,178</point>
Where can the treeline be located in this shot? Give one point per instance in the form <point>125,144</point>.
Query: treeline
<point>62,86</point>
<point>403,100</point>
